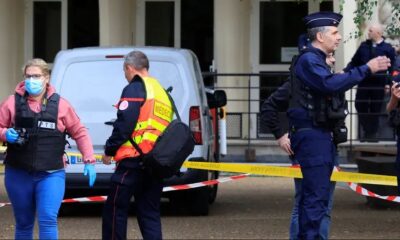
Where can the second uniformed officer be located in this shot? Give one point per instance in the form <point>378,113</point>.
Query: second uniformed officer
<point>313,112</point>
<point>144,111</point>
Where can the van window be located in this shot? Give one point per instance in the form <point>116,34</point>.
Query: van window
<point>101,80</point>
<point>93,87</point>
<point>168,75</point>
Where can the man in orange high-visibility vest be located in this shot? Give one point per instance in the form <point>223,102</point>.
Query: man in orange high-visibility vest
<point>144,111</point>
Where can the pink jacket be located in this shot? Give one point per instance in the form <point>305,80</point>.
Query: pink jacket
<point>67,120</point>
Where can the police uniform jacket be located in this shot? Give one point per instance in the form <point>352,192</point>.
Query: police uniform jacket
<point>368,51</point>
<point>311,69</point>
<point>277,102</point>
<point>127,116</point>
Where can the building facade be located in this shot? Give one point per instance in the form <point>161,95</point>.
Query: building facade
<point>228,36</point>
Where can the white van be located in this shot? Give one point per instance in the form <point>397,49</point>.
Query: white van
<point>92,79</point>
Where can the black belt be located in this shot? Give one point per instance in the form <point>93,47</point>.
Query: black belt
<point>136,162</point>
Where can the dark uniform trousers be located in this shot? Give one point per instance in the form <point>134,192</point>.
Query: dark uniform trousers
<point>369,99</point>
<point>398,162</point>
<point>130,179</point>
<point>315,152</point>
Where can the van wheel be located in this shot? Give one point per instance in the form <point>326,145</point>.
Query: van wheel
<point>199,201</point>
<point>213,189</point>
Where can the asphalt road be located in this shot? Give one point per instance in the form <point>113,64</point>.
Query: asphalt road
<point>250,208</point>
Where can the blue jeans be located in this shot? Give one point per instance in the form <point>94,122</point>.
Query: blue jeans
<point>33,193</point>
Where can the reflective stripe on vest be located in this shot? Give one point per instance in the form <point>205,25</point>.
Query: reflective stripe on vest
<point>155,115</point>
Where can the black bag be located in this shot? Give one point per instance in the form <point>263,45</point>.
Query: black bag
<point>171,149</point>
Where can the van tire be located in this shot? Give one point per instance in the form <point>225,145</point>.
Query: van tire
<point>193,202</point>
<point>199,201</point>
<point>213,189</point>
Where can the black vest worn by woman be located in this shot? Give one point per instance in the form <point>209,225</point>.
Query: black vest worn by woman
<point>41,145</point>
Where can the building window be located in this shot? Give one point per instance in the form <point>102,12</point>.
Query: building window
<point>197,30</point>
<point>62,24</point>
<point>83,23</point>
<point>159,29</point>
<point>326,6</point>
<point>280,26</point>
<point>46,29</point>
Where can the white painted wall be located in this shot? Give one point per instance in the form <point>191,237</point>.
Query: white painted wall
<point>11,45</point>
<point>117,21</point>
<point>232,50</point>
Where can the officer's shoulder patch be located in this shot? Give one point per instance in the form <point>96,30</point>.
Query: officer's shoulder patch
<point>123,105</point>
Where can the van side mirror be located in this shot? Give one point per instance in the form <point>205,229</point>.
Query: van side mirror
<point>216,99</point>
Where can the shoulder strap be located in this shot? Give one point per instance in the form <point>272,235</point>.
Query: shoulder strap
<point>136,146</point>
<point>292,76</point>
<point>172,103</point>
<point>175,111</point>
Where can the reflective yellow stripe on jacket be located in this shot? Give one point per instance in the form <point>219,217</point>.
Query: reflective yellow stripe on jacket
<point>155,115</point>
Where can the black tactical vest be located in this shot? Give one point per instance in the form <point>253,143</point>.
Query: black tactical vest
<point>324,111</point>
<point>41,145</point>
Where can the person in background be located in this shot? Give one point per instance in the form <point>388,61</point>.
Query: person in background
<point>396,47</point>
<point>34,122</point>
<point>315,109</point>
<point>370,91</point>
<point>279,102</point>
<point>393,109</point>
<point>144,111</point>
<point>396,67</point>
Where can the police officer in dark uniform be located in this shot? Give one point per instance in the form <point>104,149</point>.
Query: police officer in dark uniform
<point>314,110</point>
<point>279,102</point>
<point>370,92</point>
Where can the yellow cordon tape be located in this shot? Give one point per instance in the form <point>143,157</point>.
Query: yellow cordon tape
<point>292,172</point>
<point>275,171</point>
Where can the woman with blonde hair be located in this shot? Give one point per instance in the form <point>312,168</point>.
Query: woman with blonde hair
<point>34,122</point>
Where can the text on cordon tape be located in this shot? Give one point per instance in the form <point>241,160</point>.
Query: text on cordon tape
<point>291,172</point>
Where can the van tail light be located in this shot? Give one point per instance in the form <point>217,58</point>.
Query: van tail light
<point>195,124</point>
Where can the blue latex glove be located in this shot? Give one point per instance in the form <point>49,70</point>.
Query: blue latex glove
<point>89,169</point>
<point>11,135</point>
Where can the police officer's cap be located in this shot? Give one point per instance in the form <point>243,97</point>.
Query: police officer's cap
<point>321,19</point>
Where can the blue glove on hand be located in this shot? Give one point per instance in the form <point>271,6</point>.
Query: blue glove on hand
<point>89,169</point>
<point>11,135</point>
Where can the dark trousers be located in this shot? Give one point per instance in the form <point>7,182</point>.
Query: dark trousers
<point>315,152</point>
<point>314,202</point>
<point>125,183</point>
<point>398,163</point>
<point>369,100</point>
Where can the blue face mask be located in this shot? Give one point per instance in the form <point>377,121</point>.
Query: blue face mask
<point>34,86</point>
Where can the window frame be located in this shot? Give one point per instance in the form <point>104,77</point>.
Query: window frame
<point>313,6</point>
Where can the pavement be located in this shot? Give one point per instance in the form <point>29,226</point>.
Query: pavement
<point>250,208</point>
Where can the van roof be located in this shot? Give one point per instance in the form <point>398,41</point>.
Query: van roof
<point>121,51</point>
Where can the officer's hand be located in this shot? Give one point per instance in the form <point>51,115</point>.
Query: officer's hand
<point>106,159</point>
<point>89,169</point>
<point>11,135</point>
<point>284,143</point>
<point>377,64</point>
